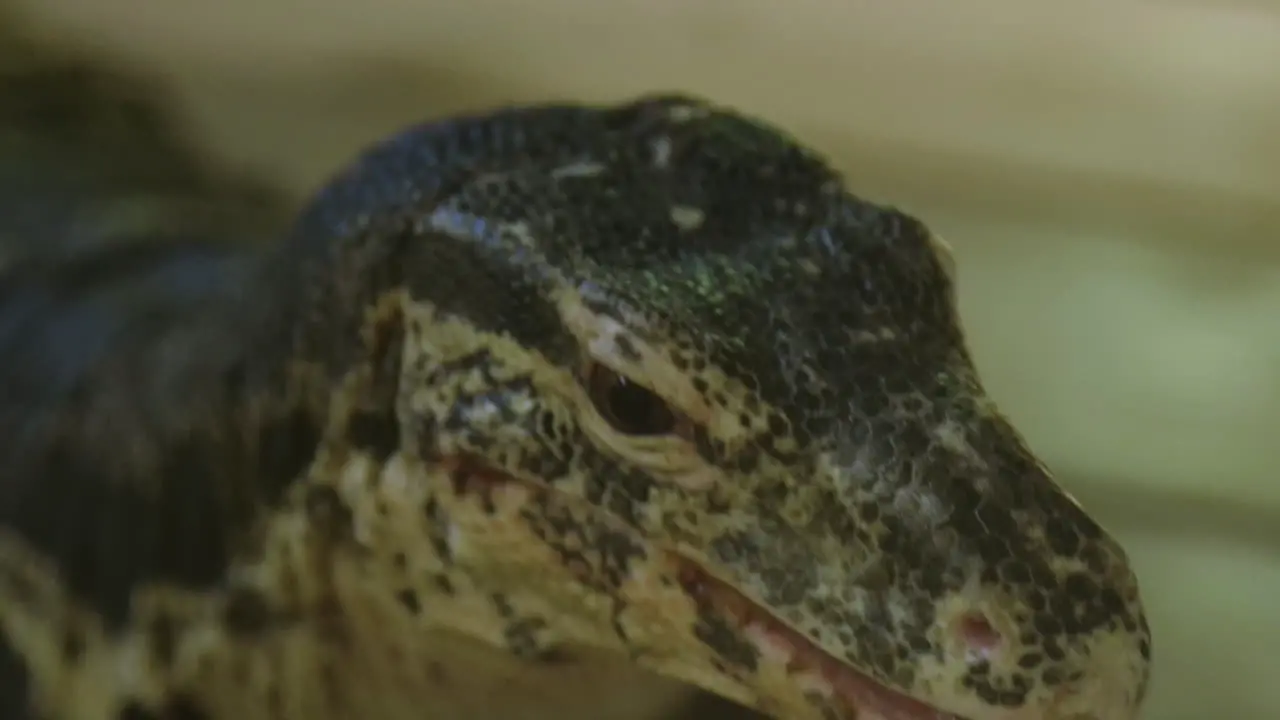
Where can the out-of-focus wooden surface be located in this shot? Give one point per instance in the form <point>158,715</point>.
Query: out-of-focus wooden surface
<point>1109,173</point>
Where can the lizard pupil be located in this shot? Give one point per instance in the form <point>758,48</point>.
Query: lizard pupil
<point>629,407</point>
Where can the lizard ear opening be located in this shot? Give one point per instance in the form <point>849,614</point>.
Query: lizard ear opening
<point>631,408</point>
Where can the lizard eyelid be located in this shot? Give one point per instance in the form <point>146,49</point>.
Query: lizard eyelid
<point>630,408</point>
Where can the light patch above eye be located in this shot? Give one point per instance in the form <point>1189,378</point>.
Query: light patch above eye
<point>613,346</point>
<point>608,341</point>
<point>616,352</point>
<point>615,339</point>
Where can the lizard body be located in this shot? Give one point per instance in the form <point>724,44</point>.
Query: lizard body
<point>551,412</point>
<point>91,158</point>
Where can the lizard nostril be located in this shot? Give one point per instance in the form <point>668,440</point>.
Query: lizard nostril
<point>977,635</point>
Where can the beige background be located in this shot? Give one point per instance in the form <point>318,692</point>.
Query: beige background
<point>1109,174</point>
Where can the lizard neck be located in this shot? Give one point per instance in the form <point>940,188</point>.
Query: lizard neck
<point>355,593</point>
<point>138,450</point>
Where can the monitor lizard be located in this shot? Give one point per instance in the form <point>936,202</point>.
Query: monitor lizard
<point>553,411</point>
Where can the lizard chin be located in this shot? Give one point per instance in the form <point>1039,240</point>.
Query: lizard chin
<point>825,679</point>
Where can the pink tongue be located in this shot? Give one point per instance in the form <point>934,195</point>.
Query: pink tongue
<point>863,698</point>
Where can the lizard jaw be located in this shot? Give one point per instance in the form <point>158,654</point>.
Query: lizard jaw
<point>857,695</point>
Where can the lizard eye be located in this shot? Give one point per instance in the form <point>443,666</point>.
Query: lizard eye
<point>629,407</point>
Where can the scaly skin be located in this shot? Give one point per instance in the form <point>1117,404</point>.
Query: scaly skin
<point>550,412</point>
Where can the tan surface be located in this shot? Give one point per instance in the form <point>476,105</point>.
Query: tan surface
<point>1108,172</point>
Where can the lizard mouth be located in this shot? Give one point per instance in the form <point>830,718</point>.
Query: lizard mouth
<point>853,694</point>
<point>825,680</point>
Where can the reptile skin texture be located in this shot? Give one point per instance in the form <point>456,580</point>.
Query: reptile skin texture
<point>559,411</point>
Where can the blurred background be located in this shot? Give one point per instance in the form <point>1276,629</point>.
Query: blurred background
<point>1108,173</point>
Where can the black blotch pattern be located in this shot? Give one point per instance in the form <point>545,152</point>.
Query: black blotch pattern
<point>444,584</point>
<point>374,426</point>
<point>329,514</point>
<point>435,522</point>
<point>600,556</point>
<point>246,613</point>
<point>375,432</point>
<point>408,599</point>
<point>73,645</point>
<point>523,634</point>
<point>621,489</point>
<point>720,635</point>
<point>163,637</point>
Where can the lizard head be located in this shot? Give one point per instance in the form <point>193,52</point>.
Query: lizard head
<point>702,405</point>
